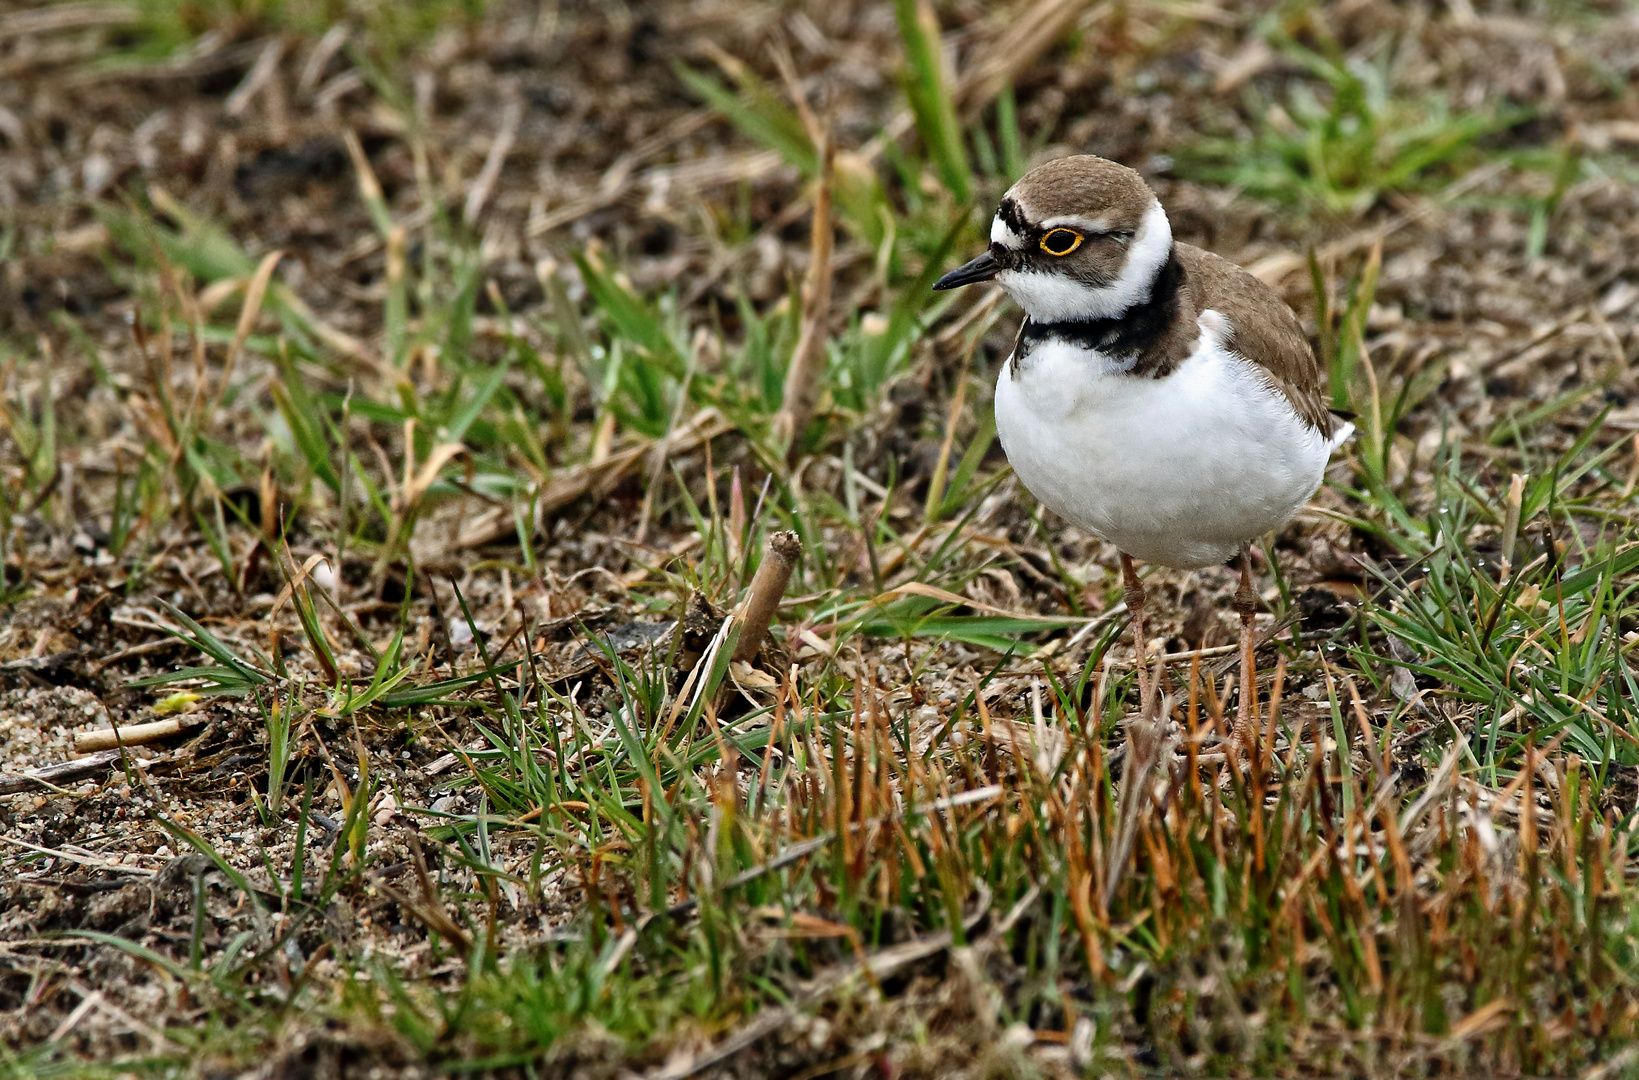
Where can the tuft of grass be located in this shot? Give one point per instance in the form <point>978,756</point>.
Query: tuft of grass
<point>927,88</point>
<point>1343,140</point>
<point>704,900</point>
<point>1533,649</point>
<point>164,29</point>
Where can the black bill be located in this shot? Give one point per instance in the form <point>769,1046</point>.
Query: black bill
<point>983,268</point>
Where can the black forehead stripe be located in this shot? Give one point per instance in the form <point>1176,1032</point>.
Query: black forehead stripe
<point>1012,215</point>
<point>1134,332</point>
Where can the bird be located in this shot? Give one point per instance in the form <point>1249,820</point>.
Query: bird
<point>1158,396</point>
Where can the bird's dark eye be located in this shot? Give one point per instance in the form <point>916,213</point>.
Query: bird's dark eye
<point>1060,241</point>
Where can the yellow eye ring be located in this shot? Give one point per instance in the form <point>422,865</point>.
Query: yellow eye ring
<point>1054,241</point>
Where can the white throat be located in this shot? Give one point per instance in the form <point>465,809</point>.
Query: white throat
<point>1049,297</point>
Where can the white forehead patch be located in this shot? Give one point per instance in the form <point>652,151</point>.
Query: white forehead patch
<point>1001,233</point>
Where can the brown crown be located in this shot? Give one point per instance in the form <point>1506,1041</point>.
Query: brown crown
<point>1086,185</point>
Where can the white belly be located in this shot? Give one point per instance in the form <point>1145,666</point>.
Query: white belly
<point>1178,471</point>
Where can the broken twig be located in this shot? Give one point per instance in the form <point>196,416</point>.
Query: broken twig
<point>766,589</point>
<point>808,359</point>
<point>132,735</point>
<point>48,777</point>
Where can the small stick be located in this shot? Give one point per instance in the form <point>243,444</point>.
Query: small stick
<point>135,735</point>
<point>49,776</point>
<point>1135,609</point>
<point>808,360</point>
<point>478,194</point>
<point>135,650</point>
<point>1146,748</point>
<point>1246,709</point>
<point>1510,522</point>
<point>763,597</point>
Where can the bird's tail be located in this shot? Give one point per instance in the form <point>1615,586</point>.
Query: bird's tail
<point>1342,432</point>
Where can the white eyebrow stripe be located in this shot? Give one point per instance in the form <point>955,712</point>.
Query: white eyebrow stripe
<point>1076,221</point>
<point>1001,233</point>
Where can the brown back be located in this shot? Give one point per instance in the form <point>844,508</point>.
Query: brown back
<point>1263,329</point>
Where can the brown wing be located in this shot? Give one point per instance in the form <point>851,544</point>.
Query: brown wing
<point>1263,329</point>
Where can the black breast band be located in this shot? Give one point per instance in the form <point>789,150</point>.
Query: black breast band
<point>1133,333</point>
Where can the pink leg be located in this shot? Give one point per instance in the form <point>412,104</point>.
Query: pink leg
<point>1246,603</point>
<point>1135,610</point>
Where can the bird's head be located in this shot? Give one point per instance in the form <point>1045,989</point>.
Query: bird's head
<point>1077,238</point>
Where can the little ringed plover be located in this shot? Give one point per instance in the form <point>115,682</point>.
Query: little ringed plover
<point>1158,396</point>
